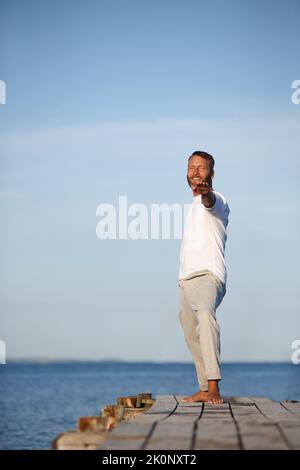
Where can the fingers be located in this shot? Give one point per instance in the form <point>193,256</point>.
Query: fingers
<point>202,185</point>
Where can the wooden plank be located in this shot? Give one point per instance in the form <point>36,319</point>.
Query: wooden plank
<point>240,400</point>
<point>132,435</point>
<point>249,412</point>
<point>216,429</point>
<point>292,406</point>
<point>177,431</point>
<point>150,418</point>
<point>161,409</point>
<point>184,414</point>
<point>171,435</point>
<point>274,410</point>
<point>216,411</point>
<point>261,436</point>
<point>163,404</point>
<point>291,432</point>
<point>218,434</point>
<point>178,417</point>
<point>76,440</point>
<point>128,435</point>
<point>255,430</point>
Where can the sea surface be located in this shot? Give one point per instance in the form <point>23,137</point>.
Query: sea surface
<point>40,400</point>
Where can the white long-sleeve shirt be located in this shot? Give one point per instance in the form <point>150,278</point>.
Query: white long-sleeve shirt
<point>204,238</point>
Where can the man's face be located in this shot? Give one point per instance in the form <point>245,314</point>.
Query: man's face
<point>198,170</point>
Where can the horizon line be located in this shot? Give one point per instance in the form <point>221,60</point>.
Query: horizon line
<point>47,360</point>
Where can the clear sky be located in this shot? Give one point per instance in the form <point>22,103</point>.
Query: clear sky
<point>108,98</point>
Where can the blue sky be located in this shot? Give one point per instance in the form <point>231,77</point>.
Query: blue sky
<point>108,98</point>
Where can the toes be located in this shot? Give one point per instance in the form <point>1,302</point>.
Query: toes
<point>215,401</point>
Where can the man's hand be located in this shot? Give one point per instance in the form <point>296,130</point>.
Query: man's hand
<point>201,188</point>
<point>208,198</point>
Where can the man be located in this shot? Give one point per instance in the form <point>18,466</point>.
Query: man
<point>203,275</point>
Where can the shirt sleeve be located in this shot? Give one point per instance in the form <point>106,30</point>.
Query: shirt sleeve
<point>220,208</point>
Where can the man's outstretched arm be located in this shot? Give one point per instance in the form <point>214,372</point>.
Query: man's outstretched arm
<point>209,199</point>
<point>213,203</point>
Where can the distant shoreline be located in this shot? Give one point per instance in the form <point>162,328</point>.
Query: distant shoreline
<point>45,361</point>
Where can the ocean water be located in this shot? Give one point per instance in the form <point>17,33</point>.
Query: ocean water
<point>39,401</point>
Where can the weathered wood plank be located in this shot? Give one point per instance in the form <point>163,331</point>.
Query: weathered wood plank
<point>291,432</point>
<point>249,412</point>
<point>261,436</point>
<point>150,418</point>
<point>216,411</point>
<point>161,409</point>
<point>163,404</point>
<point>274,410</point>
<point>128,435</point>
<point>216,429</point>
<point>76,440</point>
<point>183,414</point>
<point>240,400</point>
<point>218,434</point>
<point>293,406</point>
<point>171,435</point>
<point>255,430</point>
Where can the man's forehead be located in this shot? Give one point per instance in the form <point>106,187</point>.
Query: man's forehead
<point>197,159</point>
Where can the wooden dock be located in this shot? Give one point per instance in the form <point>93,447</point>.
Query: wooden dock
<point>241,423</point>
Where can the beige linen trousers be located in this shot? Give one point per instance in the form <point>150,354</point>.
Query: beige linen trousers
<point>199,298</point>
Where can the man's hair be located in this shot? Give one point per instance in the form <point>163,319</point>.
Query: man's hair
<point>205,155</point>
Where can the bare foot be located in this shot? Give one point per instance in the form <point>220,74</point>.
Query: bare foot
<point>214,398</point>
<point>201,396</point>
